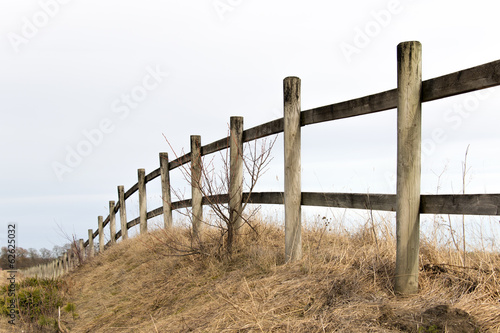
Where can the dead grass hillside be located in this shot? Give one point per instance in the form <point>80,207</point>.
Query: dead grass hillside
<point>344,283</point>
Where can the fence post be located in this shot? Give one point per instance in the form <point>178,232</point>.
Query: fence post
<point>101,234</point>
<point>82,250</point>
<point>112,222</point>
<point>60,267</point>
<point>123,212</point>
<point>235,174</point>
<point>56,268</point>
<point>70,259</point>
<point>196,195</point>
<point>165,190</point>
<point>65,263</point>
<point>143,211</point>
<point>408,166</point>
<point>293,224</point>
<point>91,243</point>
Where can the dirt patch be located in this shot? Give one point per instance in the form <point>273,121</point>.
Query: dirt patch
<point>440,318</point>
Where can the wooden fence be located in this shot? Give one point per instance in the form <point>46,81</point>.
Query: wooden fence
<point>408,203</point>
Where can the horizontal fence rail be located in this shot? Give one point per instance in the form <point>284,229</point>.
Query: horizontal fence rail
<point>464,81</point>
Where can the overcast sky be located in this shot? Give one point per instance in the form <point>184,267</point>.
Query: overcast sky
<point>89,89</point>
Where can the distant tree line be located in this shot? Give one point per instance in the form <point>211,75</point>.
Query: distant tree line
<point>31,257</point>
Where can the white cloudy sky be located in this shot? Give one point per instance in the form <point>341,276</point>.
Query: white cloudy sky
<point>67,67</point>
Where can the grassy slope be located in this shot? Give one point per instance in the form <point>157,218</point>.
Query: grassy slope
<point>344,283</point>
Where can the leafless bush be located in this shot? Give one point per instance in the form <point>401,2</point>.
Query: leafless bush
<point>214,185</point>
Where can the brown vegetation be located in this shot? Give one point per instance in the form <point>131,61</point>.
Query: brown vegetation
<point>344,283</point>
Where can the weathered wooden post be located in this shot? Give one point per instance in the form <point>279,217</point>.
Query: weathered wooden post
<point>54,269</point>
<point>60,270</point>
<point>123,212</point>
<point>91,243</point>
<point>100,227</point>
<point>112,222</point>
<point>81,246</point>
<point>65,263</point>
<point>165,190</point>
<point>196,195</point>
<point>143,211</point>
<point>293,225</point>
<point>61,266</point>
<point>235,175</point>
<point>408,166</point>
<point>70,258</point>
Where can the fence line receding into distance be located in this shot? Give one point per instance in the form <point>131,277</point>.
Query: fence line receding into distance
<point>408,203</point>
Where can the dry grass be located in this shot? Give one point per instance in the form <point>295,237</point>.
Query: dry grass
<point>344,283</point>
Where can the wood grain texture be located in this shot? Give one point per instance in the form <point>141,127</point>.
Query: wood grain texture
<point>461,204</point>
<point>165,191</point>
<point>409,142</point>
<point>91,243</point>
<point>215,146</point>
<point>384,202</point>
<point>292,145</point>
<point>143,211</point>
<point>266,129</point>
<point>467,80</point>
<point>123,212</point>
<point>196,183</point>
<point>235,174</point>
<point>356,107</point>
<point>112,221</point>
<point>101,233</point>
